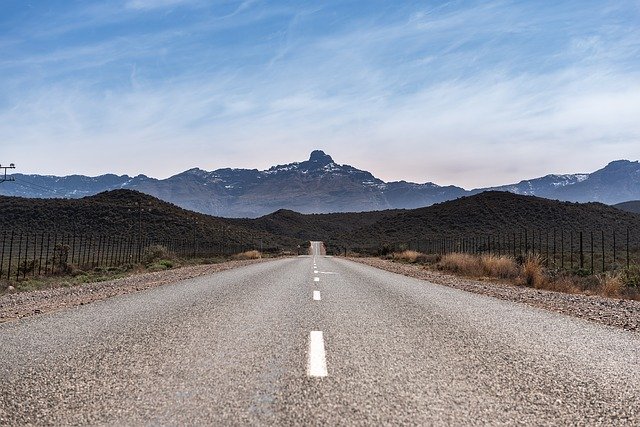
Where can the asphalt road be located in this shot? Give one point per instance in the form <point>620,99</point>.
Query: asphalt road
<point>269,344</point>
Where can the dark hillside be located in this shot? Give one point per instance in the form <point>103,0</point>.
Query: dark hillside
<point>125,213</point>
<point>493,213</point>
<point>323,227</point>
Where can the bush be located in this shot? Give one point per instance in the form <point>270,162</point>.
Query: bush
<point>465,264</point>
<point>499,266</point>
<point>406,256</point>
<point>532,272</point>
<point>166,262</point>
<point>248,255</point>
<point>611,285</point>
<point>154,253</point>
<point>631,277</point>
<point>60,257</point>
<point>26,267</point>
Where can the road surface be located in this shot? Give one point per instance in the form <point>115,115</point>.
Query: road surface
<point>315,340</point>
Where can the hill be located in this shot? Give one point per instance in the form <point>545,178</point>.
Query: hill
<point>127,213</point>
<point>632,206</point>
<point>494,213</point>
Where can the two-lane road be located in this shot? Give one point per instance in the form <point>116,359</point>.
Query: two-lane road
<point>314,340</point>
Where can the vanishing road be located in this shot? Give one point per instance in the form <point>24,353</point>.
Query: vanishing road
<point>315,340</point>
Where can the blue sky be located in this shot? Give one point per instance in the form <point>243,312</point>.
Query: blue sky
<point>457,92</point>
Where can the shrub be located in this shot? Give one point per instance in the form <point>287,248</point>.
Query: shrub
<point>155,253</point>
<point>248,255</point>
<point>499,266</point>
<point>167,263</point>
<point>631,277</point>
<point>60,258</point>
<point>465,264</point>
<point>611,285</point>
<point>406,256</point>
<point>532,272</point>
<point>27,267</point>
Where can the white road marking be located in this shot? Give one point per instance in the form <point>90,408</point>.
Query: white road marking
<point>315,271</point>
<point>326,272</point>
<point>316,295</point>
<point>317,363</point>
<point>316,279</point>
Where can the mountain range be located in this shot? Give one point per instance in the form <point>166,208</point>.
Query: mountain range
<point>319,185</point>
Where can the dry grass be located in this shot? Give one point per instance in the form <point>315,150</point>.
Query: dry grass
<point>248,255</point>
<point>502,266</point>
<point>465,264</point>
<point>564,284</point>
<point>532,273</point>
<point>406,256</point>
<point>611,285</point>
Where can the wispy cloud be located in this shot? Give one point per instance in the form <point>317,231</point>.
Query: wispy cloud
<point>472,94</point>
<point>158,4</point>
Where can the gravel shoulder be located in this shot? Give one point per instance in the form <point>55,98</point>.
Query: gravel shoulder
<point>623,314</point>
<point>23,304</point>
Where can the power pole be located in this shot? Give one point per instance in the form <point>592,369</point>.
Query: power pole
<point>5,178</point>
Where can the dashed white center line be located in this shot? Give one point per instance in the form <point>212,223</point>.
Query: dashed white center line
<point>316,279</point>
<point>316,295</point>
<point>317,363</point>
<point>315,271</point>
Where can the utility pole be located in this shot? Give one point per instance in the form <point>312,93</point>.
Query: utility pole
<point>5,178</point>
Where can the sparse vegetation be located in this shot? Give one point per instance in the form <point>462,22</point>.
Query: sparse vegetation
<point>248,255</point>
<point>406,256</point>
<point>154,253</point>
<point>532,273</point>
<point>529,271</point>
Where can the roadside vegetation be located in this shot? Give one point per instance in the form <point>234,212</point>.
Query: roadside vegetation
<point>529,271</point>
<point>154,258</point>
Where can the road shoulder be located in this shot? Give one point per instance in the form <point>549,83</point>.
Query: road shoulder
<point>623,314</point>
<point>24,304</point>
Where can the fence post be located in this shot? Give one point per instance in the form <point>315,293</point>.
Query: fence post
<point>41,252</point>
<point>35,249</point>
<point>615,258</point>
<point>581,252</point>
<point>562,248</point>
<point>554,247</point>
<point>4,235</point>
<point>628,259</point>
<point>540,242</point>
<point>533,241</point>
<point>26,257</point>
<point>592,266</point>
<point>547,250</point>
<point>11,255</point>
<point>603,260</point>
<point>55,243</point>
<point>19,255</point>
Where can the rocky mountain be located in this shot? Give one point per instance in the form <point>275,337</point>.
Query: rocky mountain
<point>319,185</point>
<point>617,182</point>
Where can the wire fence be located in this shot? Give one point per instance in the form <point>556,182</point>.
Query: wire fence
<point>25,254</point>
<point>582,251</point>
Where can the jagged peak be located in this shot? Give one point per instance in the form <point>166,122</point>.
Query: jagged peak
<point>320,156</point>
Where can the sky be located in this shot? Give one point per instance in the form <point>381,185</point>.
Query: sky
<point>470,93</point>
